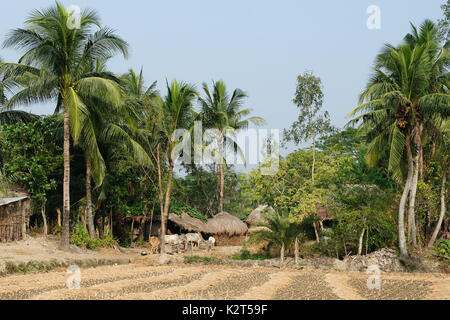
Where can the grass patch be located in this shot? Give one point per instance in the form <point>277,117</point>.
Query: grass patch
<point>246,255</point>
<point>199,259</point>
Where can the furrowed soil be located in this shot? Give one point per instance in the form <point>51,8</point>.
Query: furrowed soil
<point>201,282</point>
<point>143,278</point>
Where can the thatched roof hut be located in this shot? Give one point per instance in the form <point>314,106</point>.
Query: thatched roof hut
<point>257,215</point>
<point>187,223</point>
<point>227,229</point>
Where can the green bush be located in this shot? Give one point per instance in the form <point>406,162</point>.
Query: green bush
<point>442,248</point>
<point>81,239</point>
<point>199,259</point>
<point>246,255</point>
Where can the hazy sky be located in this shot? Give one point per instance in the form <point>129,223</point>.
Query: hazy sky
<point>258,46</point>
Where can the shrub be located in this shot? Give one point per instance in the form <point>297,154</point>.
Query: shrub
<point>442,248</point>
<point>246,255</point>
<point>81,239</point>
<point>199,259</point>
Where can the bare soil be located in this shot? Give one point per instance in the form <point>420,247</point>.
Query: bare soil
<point>201,282</point>
<point>143,278</point>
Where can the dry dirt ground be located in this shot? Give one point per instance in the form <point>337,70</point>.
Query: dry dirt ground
<point>138,281</point>
<point>143,278</point>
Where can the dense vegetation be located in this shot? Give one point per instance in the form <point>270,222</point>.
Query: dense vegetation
<point>108,153</point>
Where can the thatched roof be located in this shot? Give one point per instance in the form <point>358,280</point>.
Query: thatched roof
<point>225,223</point>
<point>256,229</point>
<point>190,224</point>
<point>257,215</point>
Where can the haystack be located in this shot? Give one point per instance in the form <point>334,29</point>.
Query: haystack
<point>257,215</point>
<point>227,229</point>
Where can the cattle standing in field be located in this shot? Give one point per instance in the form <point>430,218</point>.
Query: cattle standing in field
<point>154,244</point>
<point>174,241</point>
<point>192,238</point>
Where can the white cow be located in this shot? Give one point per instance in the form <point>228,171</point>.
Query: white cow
<point>173,239</point>
<point>193,237</point>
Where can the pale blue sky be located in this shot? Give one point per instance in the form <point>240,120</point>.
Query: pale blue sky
<point>258,46</point>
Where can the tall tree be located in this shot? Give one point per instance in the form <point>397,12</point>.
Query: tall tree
<point>52,68</point>
<point>311,123</point>
<point>31,159</point>
<point>444,24</point>
<point>223,112</point>
<point>406,90</point>
<point>443,158</point>
<point>178,113</point>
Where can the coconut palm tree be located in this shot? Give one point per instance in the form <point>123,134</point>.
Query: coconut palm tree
<point>405,89</point>
<point>443,158</point>
<point>223,112</point>
<point>178,113</point>
<point>53,68</point>
<point>280,229</point>
<point>7,85</point>
<point>115,129</point>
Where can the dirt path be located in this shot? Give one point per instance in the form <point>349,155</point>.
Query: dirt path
<point>204,282</point>
<point>338,282</point>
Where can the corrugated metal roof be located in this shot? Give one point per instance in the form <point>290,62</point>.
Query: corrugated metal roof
<point>6,201</point>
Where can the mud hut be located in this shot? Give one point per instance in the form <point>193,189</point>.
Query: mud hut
<point>227,229</point>
<point>14,218</point>
<point>257,215</point>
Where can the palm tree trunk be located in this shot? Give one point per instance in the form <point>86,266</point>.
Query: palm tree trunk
<point>65,237</point>
<point>90,216</point>
<point>412,236</point>
<point>161,199</point>
<point>166,208</point>
<point>221,188</point>
<point>401,209</point>
<point>158,160</point>
<point>219,142</point>
<point>442,214</point>
<point>412,230</point>
<point>420,149</point>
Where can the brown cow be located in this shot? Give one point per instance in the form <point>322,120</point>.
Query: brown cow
<point>154,244</point>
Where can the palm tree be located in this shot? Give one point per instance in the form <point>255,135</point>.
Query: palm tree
<point>178,113</point>
<point>7,85</point>
<point>443,158</point>
<point>223,112</point>
<point>404,90</point>
<point>115,129</point>
<point>53,68</point>
<point>280,229</point>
